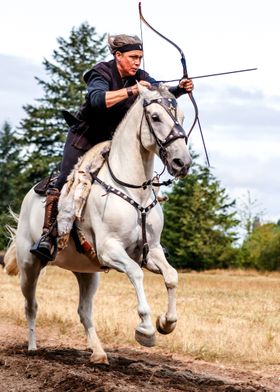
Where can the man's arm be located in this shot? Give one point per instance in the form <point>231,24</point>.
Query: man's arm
<point>100,96</point>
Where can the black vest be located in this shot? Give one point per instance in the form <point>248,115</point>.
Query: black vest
<point>99,125</point>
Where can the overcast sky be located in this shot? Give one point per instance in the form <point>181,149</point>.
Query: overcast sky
<point>240,114</point>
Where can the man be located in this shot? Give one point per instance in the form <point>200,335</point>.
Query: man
<point>112,89</point>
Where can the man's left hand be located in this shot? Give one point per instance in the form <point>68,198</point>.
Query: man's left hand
<point>187,85</point>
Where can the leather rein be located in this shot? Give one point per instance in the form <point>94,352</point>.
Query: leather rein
<point>177,132</point>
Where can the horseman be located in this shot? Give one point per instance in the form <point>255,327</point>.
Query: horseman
<point>111,90</point>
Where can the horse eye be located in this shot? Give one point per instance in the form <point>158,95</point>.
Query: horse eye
<point>155,117</point>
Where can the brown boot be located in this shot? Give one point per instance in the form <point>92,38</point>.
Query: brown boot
<point>45,248</point>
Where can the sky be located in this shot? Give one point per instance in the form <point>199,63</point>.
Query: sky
<point>239,114</point>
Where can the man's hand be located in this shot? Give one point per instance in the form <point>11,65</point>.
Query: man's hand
<point>187,85</point>
<point>143,83</point>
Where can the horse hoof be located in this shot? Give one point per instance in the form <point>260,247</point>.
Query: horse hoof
<point>145,340</point>
<point>32,348</point>
<point>31,352</point>
<point>99,359</point>
<point>163,326</point>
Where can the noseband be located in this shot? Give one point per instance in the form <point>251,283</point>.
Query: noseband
<point>177,131</point>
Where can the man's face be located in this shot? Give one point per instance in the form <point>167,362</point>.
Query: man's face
<point>129,62</point>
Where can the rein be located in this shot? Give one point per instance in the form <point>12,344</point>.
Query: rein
<point>144,185</point>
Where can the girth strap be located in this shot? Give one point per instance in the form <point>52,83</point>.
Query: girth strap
<point>138,207</point>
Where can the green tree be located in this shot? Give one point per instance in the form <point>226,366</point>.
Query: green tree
<point>261,250</point>
<point>10,169</point>
<point>44,130</point>
<point>199,223</point>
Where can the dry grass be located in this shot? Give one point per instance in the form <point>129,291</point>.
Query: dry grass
<point>230,317</point>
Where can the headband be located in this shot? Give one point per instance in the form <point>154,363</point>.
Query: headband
<point>129,47</point>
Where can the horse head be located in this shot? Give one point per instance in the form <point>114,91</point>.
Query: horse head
<point>162,129</point>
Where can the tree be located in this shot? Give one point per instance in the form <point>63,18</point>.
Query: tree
<point>199,222</point>
<point>261,250</point>
<point>250,214</point>
<point>10,169</point>
<point>44,130</point>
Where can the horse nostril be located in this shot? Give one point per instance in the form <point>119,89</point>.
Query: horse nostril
<point>178,162</point>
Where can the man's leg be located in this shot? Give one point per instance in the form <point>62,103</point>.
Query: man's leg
<point>45,248</point>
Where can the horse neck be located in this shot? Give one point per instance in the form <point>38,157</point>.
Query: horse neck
<point>129,161</point>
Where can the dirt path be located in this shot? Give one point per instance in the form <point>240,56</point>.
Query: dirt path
<point>56,367</point>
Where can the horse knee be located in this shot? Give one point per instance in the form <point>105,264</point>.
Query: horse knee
<point>171,278</point>
<point>136,273</point>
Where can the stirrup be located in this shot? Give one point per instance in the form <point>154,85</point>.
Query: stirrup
<point>43,254</point>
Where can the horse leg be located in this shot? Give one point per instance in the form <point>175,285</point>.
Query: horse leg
<point>157,262</point>
<point>29,273</point>
<point>114,256</point>
<point>88,283</point>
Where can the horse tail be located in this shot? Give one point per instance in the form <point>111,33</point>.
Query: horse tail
<point>10,258</point>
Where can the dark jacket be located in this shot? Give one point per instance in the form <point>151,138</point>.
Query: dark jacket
<point>97,122</point>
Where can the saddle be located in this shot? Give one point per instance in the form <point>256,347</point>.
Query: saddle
<point>42,186</point>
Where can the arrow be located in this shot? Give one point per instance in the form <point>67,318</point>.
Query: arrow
<point>208,76</point>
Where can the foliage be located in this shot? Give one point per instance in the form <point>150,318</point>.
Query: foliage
<point>199,223</point>
<point>261,250</point>
<point>10,169</point>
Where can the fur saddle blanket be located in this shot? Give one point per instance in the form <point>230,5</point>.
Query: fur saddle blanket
<point>75,192</point>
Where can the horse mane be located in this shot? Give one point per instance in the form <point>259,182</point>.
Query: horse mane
<point>159,91</point>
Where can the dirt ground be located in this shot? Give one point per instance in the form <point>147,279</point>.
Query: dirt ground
<point>61,364</point>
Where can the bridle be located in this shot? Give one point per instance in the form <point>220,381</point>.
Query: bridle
<point>177,131</point>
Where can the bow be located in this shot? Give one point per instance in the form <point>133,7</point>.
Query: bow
<point>185,75</point>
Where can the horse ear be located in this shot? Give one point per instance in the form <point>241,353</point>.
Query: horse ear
<point>143,91</point>
<point>162,87</point>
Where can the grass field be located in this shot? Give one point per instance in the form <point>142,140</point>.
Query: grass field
<point>225,316</point>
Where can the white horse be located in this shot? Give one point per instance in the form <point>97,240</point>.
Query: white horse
<point>118,225</point>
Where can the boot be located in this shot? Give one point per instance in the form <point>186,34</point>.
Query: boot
<point>45,248</point>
